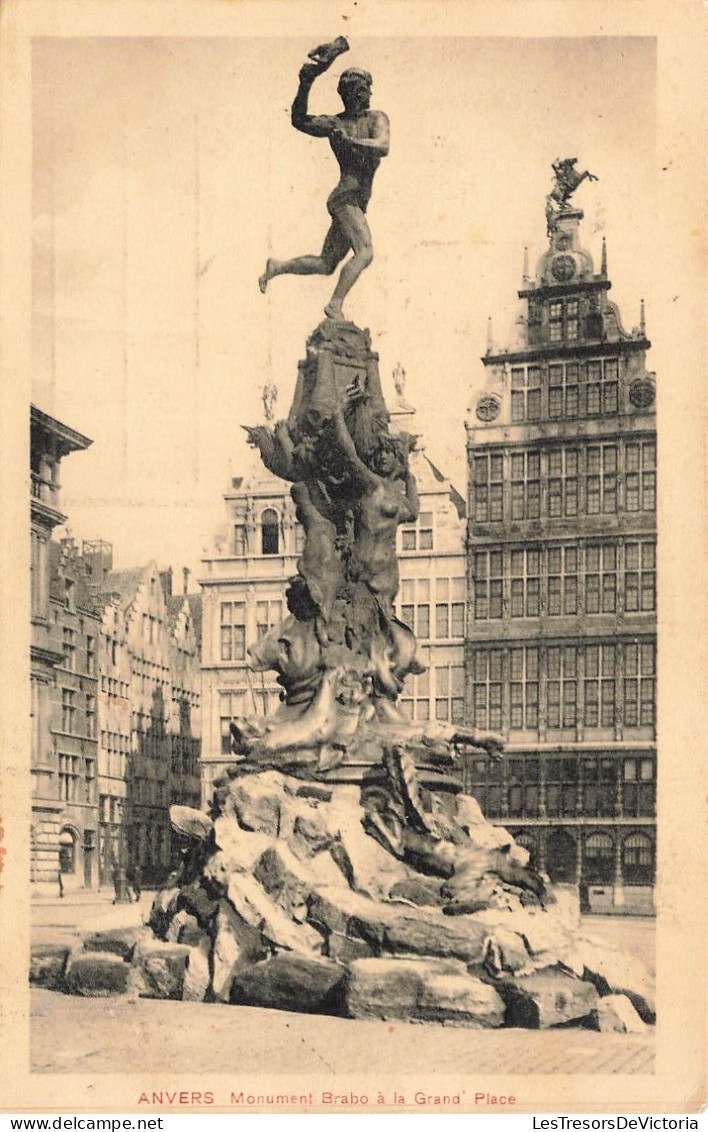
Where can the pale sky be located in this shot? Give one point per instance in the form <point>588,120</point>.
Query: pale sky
<point>149,332</point>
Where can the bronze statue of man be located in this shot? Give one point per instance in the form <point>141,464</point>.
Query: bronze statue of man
<point>359,138</point>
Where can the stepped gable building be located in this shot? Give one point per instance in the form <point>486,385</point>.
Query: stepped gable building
<point>62,677</point>
<point>561,650</point>
<point>255,554</point>
<point>149,712</point>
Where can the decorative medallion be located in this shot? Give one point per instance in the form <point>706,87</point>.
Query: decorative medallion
<point>563,240</point>
<point>488,407</point>
<point>563,268</point>
<point>642,393</point>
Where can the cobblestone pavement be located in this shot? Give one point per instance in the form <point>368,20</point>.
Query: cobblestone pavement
<point>128,1036</point>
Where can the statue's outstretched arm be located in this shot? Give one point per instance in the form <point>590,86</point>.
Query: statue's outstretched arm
<point>318,125</point>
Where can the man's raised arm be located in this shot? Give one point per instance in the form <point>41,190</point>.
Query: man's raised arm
<point>318,125</point>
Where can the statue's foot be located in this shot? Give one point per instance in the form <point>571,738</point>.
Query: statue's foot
<point>334,311</point>
<point>266,277</point>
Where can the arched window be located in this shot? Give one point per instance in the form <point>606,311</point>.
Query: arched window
<point>599,858</point>
<point>67,852</point>
<point>561,855</point>
<point>638,859</point>
<point>270,533</point>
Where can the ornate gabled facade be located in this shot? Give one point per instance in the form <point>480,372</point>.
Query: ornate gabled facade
<point>62,750</point>
<point>255,554</point>
<point>562,579</point>
<point>149,712</point>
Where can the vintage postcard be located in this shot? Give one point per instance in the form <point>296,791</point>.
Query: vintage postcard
<point>353,605</point>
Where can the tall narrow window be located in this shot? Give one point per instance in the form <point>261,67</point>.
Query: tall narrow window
<point>233,630</point>
<point>640,476</point>
<point>562,687</point>
<point>600,686</point>
<point>524,688</point>
<point>640,577</point>
<point>525,583</point>
<point>639,684</point>
<point>488,584</point>
<point>525,485</point>
<point>487,689</point>
<point>270,531</point>
<point>488,488</point>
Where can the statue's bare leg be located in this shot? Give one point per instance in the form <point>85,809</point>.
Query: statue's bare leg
<point>335,247</point>
<point>353,223</point>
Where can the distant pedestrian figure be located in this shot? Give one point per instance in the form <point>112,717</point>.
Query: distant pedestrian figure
<point>115,876</point>
<point>134,878</point>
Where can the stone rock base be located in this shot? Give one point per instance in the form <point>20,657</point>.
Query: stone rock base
<point>293,906</point>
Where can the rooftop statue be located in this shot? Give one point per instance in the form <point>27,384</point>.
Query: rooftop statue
<point>359,138</point>
<point>567,180</point>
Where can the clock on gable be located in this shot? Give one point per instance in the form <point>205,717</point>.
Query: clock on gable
<point>563,268</point>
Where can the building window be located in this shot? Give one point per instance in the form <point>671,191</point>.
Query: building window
<point>69,778</point>
<point>68,710</point>
<point>601,479</point>
<point>69,646</point>
<point>562,482</point>
<point>640,577</point>
<point>561,787</point>
<point>233,630</point>
<point>639,684</point>
<point>239,539</point>
<point>488,488</point>
<point>90,656</point>
<point>90,780</point>
<point>599,859</point>
<point>638,787</point>
<point>563,390</point>
<point>562,581</point>
<point>562,687</point>
<point>600,686</point>
<point>418,535</point>
<point>268,615</point>
<point>487,689</point>
<point>416,701</point>
<point>270,531</point>
<point>450,693</point>
<point>523,776</point>
<point>488,583</point>
<point>525,583</point>
<point>640,476</point>
<point>449,608</point>
<point>415,605</point>
<point>601,578</point>
<point>483,780</point>
<point>601,387</point>
<point>638,859</point>
<point>232,705</point>
<point>524,689</point>
<point>526,393</point>
<point>91,717</point>
<point>525,485</point>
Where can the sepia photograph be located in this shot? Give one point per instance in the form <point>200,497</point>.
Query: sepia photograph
<point>356,636</point>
